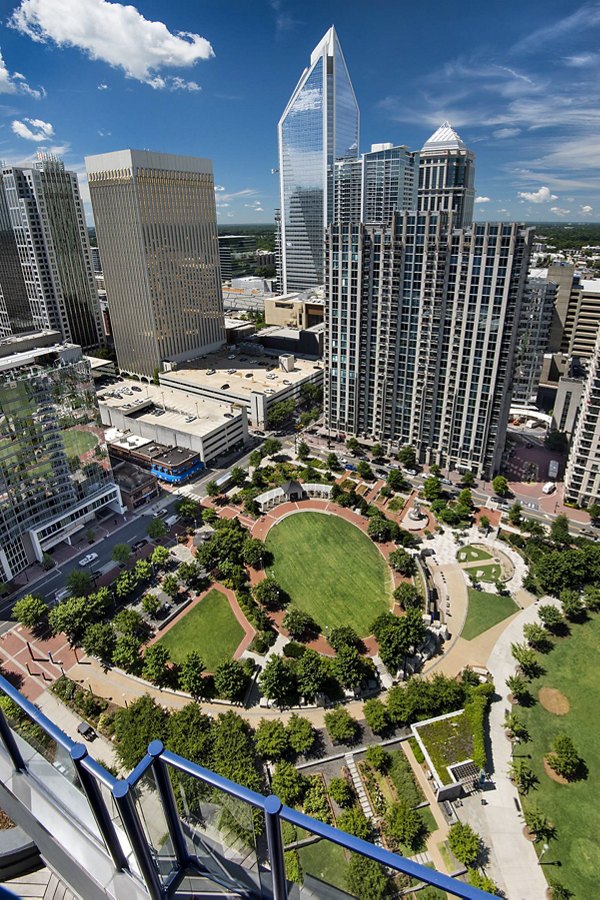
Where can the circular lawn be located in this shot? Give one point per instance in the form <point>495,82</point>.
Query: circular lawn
<point>330,569</point>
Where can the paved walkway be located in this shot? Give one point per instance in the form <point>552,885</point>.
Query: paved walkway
<point>40,885</point>
<point>67,720</point>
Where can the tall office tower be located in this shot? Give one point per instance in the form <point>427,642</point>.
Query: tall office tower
<point>379,184</point>
<point>421,328</point>
<point>237,255</point>
<point>535,323</point>
<point>48,223</point>
<point>447,176</point>
<point>15,311</point>
<point>54,469</point>
<point>156,224</point>
<point>319,125</point>
<point>582,476</point>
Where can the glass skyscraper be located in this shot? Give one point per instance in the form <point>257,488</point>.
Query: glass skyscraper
<point>319,125</point>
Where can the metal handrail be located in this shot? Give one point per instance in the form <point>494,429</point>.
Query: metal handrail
<point>158,759</point>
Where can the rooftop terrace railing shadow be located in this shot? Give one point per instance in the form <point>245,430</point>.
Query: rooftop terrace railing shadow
<point>169,821</point>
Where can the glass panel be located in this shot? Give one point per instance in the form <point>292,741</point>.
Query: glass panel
<point>154,823</point>
<point>225,834</point>
<point>115,816</point>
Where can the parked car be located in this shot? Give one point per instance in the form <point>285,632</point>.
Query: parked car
<point>549,488</point>
<point>139,544</point>
<point>88,558</point>
<point>410,471</point>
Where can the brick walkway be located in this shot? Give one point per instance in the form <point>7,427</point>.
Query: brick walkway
<point>26,661</point>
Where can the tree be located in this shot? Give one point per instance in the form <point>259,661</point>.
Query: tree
<point>71,616</point>
<point>564,758</point>
<point>464,843</point>
<point>171,586</point>
<point>303,451</point>
<point>126,654</point>
<point>408,457</point>
<point>376,716</point>
<point>237,476</point>
<point>233,753</point>
<point>278,681</point>
<point>299,624</point>
<point>404,825</point>
<point>515,513</point>
<point>79,583</point>
<point>468,479</point>
<point>188,509</point>
<point>142,571</point>
<point>332,462</point>
<point>288,784</point>
<point>341,792</point>
<point>340,725</point>
<point>344,636</point>
<point>280,413</point>
<point>353,821</point>
<point>256,553</point>
<point>522,775</point>
<point>380,528</point>
<point>403,562</point>
<point>432,488</point>
<point>396,480</point>
<point>515,728</point>
<point>231,680</point>
<point>128,621</point>
<point>377,451</point>
<point>160,557</point>
<point>312,672</point>
<point>192,574</point>
<point>558,891</point>
<point>591,596</point>
<point>483,882</point>
<point>156,529</point>
<point>212,488</point>
<point>271,447</point>
<point>121,553</point>
<point>536,636</point>
<point>366,878</point>
<point>300,734</point>
<point>559,531</point>
<point>271,739</point>
<point>538,823</point>
<point>268,593</point>
<point>352,445</point>
<point>365,471</point>
<point>484,524</point>
<point>593,511</point>
<point>30,610</point>
<point>191,677</point>
<point>100,640</point>
<point>156,668</point>
<point>551,617</point>
<point>408,596</point>
<point>379,758</point>
<point>572,604</point>
<point>526,658</point>
<point>500,485</point>
<point>125,585</point>
<point>349,667</point>
<point>136,726</point>
<point>517,685</point>
<point>255,458</point>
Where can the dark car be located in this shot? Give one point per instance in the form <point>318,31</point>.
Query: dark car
<point>139,544</point>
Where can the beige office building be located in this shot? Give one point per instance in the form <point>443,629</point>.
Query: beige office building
<point>156,226</point>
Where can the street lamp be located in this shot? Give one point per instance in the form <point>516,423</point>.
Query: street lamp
<point>544,848</point>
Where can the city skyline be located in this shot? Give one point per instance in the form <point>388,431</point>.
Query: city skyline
<point>522,91</point>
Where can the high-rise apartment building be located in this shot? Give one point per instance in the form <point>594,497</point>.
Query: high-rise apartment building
<point>447,176</point>
<point>377,185</point>
<point>54,469</point>
<point>582,476</point>
<point>156,225</point>
<point>534,329</point>
<point>421,328</point>
<point>319,125</point>
<point>48,224</point>
<point>15,310</point>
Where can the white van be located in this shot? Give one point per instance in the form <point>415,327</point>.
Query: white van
<point>549,487</point>
<point>62,595</point>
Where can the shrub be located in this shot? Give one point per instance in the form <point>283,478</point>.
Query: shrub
<point>271,739</point>
<point>353,821</point>
<point>464,843</point>
<point>300,734</point>
<point>564,758</point>
<point>404,825</point>
<point>316,803</point>
<point>340,725</point>
<point>379,758</point>
<point>376,716</point>
<point>341,792</point>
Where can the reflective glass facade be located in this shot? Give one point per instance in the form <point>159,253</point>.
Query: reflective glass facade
<point>320,124</point>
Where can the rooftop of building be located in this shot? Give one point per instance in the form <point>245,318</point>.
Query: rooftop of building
<point>445,138</point>
<point>241,374</point>
<point>147,159</point>
<point>129,476</point>
<point>30,349</point>
<point>591,285</point>
<point>183,412</point>
<point>151,450</point>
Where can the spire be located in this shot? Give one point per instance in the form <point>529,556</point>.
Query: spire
<point>445,138</point>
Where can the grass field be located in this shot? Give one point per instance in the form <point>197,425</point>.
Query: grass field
<point>471,553</point>
<point>325,861</point>
<point>210,628</point>
<point>491,572</point>
<point>330,569</point>
<point>486,610</point>
<point>572,668</point>
<point>78,442</point>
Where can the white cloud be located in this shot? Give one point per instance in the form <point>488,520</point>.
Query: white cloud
<point>582,20</point>
<point>17,83</point>
<point>102,86</point>
<point>586,210</point>
<point>103,133</point>
<point>43,130</point>
<point>543,195</point>
<point>175,83</point>
<point>503,133</point>
<point>116,34</point>
<point>258,209</point>
<point>219,187</point>
<point>559,211</point>
<point>482,199</point>
<point>580,60</point>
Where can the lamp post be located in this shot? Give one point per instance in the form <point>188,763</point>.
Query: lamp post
<point>544,848</point>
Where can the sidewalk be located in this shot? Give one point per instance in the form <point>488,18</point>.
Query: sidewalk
<point>101,749</point>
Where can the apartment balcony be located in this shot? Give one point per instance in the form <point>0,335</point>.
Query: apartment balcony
<point>160,832</point>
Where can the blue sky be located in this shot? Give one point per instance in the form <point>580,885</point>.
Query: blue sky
<point>519,81</point>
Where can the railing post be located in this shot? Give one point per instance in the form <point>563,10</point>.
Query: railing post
<point>272,809</point>
<point>98,807</point>
<point>122,794</point>
<point>167,797</point>
<point>8,739</point>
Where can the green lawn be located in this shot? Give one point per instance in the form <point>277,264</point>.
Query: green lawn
<point>486,610</point>
<point>78,442</point>
<point>210,628</point>
<point>571,667</point>
<point>490,572</point>
<point>325,861</point>
<point>471,553</point>
<point>330,569</point>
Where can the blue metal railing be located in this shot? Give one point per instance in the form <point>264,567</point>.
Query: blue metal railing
<point>160,764</point>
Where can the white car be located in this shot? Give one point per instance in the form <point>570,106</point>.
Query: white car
<point>90,558</point>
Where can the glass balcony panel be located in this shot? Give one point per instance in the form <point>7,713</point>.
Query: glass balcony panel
<point>154,823</point>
